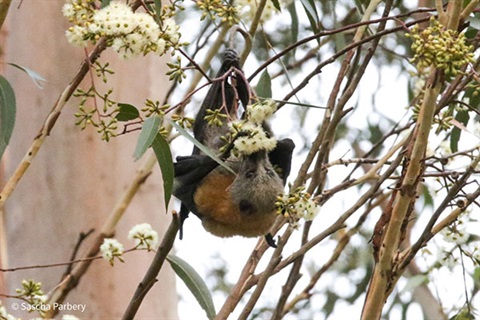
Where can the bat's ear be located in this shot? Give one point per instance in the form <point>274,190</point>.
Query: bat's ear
<point>281,156</point>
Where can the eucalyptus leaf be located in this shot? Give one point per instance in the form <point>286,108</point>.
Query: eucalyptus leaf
<point>294,25</point>
<point>276,4</point>
<point>200,146</point>
<point>7,113</point>
<point>36,77</point>
<point>164,157</point>
<point>127,112</point>
<point>104,3</point>
<point>264,86</point>
<point>158,9</point>
<point>194,283</point>
<point>150,129</point>
<point>312,14</point>
<point>462,117</point>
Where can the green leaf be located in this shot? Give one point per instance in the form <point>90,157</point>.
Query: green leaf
<point>7,113</point>
<point>104,3</point>
<point>264,85</point>
<point>158,10</point>
<point>150,129</point>
<point>36,78</point>
<point>200,146</point>
<point>476,273</point>
<point>195,284</point>
<point>312,14</point>
<point>427,197</point>
<point>164,157</point>
<point>300,104</point>
<point>294,25</point>
<point>276,4</point>
<point>474,97</point>
<point>127,112</point>
<point>462,117</point>
<point>464,314</point>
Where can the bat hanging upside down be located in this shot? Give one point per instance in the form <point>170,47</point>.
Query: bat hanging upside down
<point>231,204</point>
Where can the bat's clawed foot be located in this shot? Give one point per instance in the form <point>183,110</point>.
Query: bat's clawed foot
<point>270,240</point>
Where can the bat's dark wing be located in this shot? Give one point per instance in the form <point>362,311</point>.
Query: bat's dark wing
<point>281,157</point>
<point>189,172</point>
<point>223,94</point>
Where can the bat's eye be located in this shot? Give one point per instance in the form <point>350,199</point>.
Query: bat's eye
<point>250,174</point>
<point>270,172</point>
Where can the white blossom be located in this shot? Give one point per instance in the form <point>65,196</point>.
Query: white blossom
<point>252,138</point>
<point>447,259</point>
<point>69,317</point>
<point>130,33</point>
<point>68,10</point>
<point>40,298</point>
<point>261,111</point>
<point>115,19</point>
<point>148,26</point>
<point>145,237</point>
<point>76,36</point>
<point>458,236</point>
<point>171,30</point>
<point>110,249</point>
<point>311,210</point>
<point>161,46</point>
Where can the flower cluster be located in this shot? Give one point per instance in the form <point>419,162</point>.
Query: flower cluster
<point>456,232</point>
<point>297,205</point>
<point>440,48</point>
<point>249,136</point>
<point>128,33</point>
<point>31,292</point>
<point>248,8</point>
<point>217,8</point>
<point>145,237</point>
<point>260,111</point>
<point>110,249</point>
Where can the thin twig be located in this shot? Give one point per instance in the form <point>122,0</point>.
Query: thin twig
<point>151,275</point>
<point>81,237</point>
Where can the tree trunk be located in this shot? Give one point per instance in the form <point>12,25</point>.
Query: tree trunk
<point>74,182</point>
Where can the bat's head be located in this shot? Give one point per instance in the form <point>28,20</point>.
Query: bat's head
<point>257,185</point>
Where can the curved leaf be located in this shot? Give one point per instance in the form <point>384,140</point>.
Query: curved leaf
<point>461,117</point>
<point>36,77</point>
<point>276,4</point>
<point>195,284</point>
<point>7,113</point>
<point>294,24</point>
<point>104,3</point>
<point>200,146</point>
<point>164,157</point>
<point>150,129</point>
<point>312,14</point>
<point>264,86</point>
<point>127,112</point>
